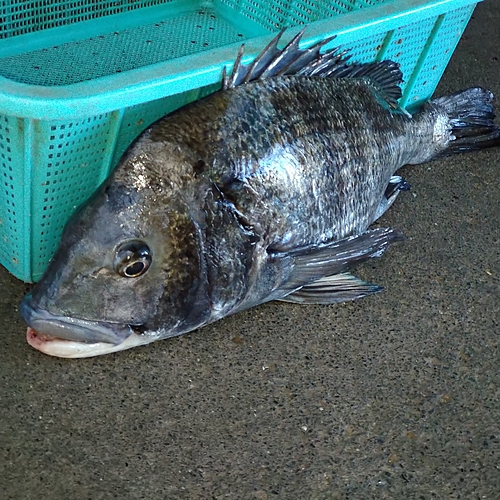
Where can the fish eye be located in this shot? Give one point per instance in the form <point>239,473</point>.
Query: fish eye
<point>132,259</point>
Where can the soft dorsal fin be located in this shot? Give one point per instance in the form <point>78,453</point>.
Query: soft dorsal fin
<point>385,76</point>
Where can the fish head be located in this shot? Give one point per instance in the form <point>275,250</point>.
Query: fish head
<point>129,270</point>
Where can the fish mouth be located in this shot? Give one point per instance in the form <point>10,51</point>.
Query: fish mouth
<point>62,348</point>
<point>75,338</point>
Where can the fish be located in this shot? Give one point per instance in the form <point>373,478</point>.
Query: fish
<point>265,190</point>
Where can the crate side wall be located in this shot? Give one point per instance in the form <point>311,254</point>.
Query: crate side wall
<point>441,48</point>
<point>70,162</point>
<point>15,210</point>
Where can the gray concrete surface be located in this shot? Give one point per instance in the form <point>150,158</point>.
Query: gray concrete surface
<point>394,396</point>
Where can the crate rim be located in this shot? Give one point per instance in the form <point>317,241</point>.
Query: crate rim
<point>108,93</point>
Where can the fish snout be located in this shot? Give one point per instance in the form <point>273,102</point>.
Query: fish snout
<point>67,328</point>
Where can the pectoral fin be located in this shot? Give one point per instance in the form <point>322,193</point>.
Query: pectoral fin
<point>317,274</point>
<point>332,289</point>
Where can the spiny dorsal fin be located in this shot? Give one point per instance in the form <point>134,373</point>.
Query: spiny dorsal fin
<point>385,76</point>
<point>272,61</point>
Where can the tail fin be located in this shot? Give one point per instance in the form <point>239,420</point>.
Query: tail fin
<point>471,118</point>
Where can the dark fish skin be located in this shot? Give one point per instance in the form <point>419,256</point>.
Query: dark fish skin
<point>227,194</point>
<point>215,188</point>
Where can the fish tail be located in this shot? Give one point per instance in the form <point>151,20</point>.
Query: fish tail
<point>471,116</point>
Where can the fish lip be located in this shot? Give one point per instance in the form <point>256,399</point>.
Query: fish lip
<point>74,329</point>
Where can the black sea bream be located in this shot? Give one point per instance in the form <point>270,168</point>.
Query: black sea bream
<point>264,190</point>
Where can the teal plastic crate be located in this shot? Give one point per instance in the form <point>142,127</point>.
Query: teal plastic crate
<point>80,80</point>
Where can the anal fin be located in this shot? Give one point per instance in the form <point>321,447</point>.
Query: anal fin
<point>332,289</point>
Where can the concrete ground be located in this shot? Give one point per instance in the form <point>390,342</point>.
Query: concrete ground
<point>394,396</point>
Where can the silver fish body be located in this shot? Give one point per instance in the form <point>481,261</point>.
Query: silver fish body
<point>262,191</point>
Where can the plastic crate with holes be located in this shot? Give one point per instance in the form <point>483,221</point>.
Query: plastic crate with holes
<point>80,80</point>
